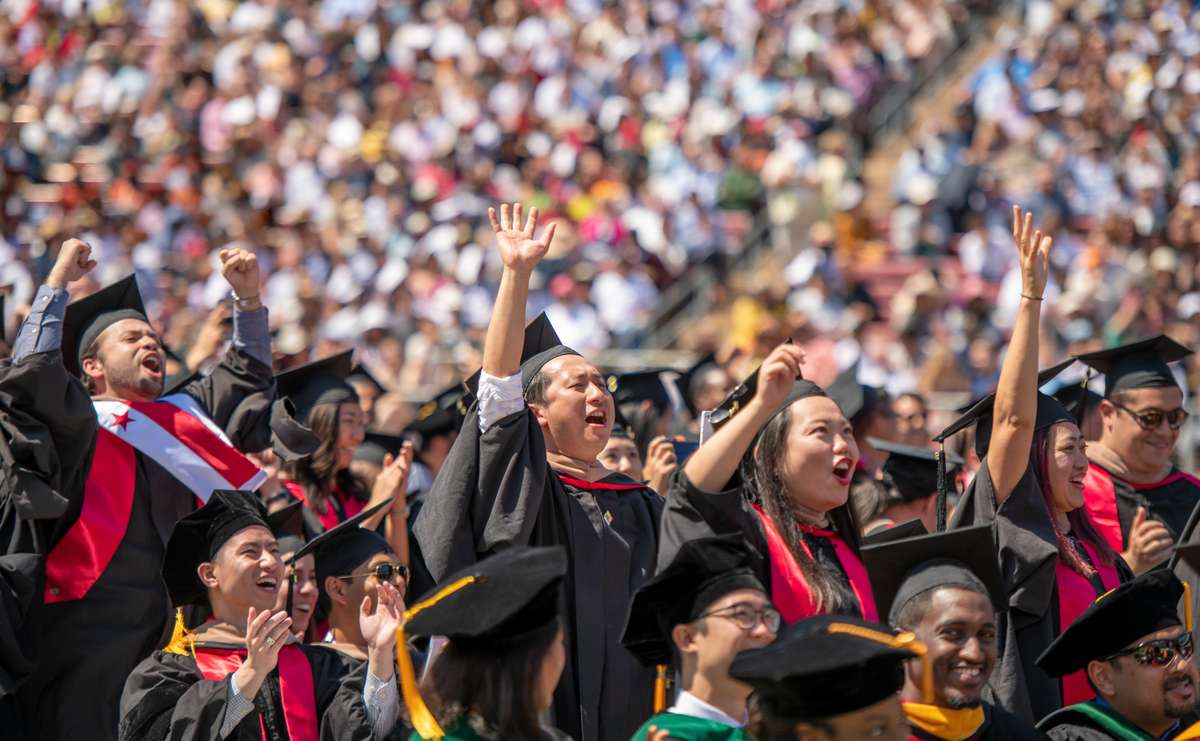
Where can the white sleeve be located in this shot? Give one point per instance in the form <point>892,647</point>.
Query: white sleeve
<point>498,398</point>
<point>236,710</point>
<point>382,699</point>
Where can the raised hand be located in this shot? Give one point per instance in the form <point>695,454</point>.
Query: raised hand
<point>240,268</point>
<point>73,262</point>
<point>392,481</point>
<point>1033,251</point>
<point>660,464</point>
<point>1150,543</point>
<point>266,632</point>
<point>777,375</point>
<point>379,626</point>
<point>518,249</point>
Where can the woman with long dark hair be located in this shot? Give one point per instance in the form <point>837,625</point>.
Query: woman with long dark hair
<point>505,650</point>
<point>1030,483</point>
<point>778,471</point>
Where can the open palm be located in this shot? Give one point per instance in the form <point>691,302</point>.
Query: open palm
<point>1033,251</point>
<point>518,249</point>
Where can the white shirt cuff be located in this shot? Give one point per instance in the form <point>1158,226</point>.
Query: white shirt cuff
<point>499,397</point>
<point>236,710</point>
<point>382,699</point>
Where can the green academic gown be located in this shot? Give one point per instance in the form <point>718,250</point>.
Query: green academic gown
<point>690,728</point>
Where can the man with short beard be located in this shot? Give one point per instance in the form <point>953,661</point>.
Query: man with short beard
<point>1138,658</point>
<point>946,589</point>
<point>149,454</point>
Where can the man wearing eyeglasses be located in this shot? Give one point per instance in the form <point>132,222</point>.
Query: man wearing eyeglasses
<point>1138,657</point>
<point>1139,501</point>
<point>698,613</point>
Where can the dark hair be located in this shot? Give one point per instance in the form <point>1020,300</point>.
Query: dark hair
<point>767,725</point>
<point>492,684</point>
<point>535,393</point>
<point>319,474</point>
<point>1081,525</point>
<point>762,472</point>
<point>91,352</point>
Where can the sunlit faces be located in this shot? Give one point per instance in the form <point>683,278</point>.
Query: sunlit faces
<point>245,572</point>
<point>959,629</point>
<point>351,431</point>
<point>715,639</point>
<point>305,594</point>
<point>1151,696</point>
<point>1145,452</point>
<point>129,361</point>
<point>621,454</point>
<point>821,454</point>
<point>1067,465</point>
<point>578,412</point>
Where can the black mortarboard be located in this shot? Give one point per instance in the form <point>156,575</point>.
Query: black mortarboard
<point>1077,399</point>
<point>689,381</point>
<point>288,526</point>
<point>621,426</point>
<point>913,471</point>
<point>639,386</point>
<point>198,536</point>
<point>855,399</point>
<point>910,529</point>
<point>442,414</point>
<point>826,666</point>
<point>1137,365</point>
<point>86,318</point>
<point>903,569</point>
<point>299,390</point>
<point>182,375</point>
<point>343,548</point>
<point>744,392</point>
<point>376,446</point>
<point>541,346</point>
<point>703,571</point>
<point>1117,619</point>
<point>3,320</point>
<point>359,373</point>
<point>509,594</point>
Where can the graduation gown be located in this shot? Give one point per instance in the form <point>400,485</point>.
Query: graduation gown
<point>313,692</point>
<point>681,727</point>
<point>1113,502</point>
<point>1091,721</point>
<point>1038,585</point>
<point>998,725</point>
<point>89,645</point>
<point>497,490</point>
<point>693,513</point>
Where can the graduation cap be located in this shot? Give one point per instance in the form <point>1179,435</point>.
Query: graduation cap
<point>86,318</point>
<point>1078,399</point>
<point>1050,411</point>
<point>855,399</point>
<point>910,529</point>
<point>442,414</point>
<point>287,524</point>
<point>181,377</point>
<point>847,664</point>
<point>1116,619</point>
<point>688,382</point>
<point>1138,365</point>
<point>377,446</point>
<point>505,596</point>
<point>360,374</point>
<point>639,386</point>
<point>913,471</point>
<point>621,426</point>
<point>299,390</point>
<point>541,346</point>
<point>903,569</point>
<point>341,549</point>
<point>703,571</point>
<point>744,392</point>
<point>197,537</point>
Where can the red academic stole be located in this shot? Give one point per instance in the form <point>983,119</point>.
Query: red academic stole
<point>1076,594</point>
<point>331,517</point>
<point>296,691</point>
<point>790,592</point>
<point>177,434</point>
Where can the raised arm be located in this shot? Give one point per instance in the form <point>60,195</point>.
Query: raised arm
<point>520,253</point>
<point>42,329</point>
<point>714,463</point>
<point>1015,414</point>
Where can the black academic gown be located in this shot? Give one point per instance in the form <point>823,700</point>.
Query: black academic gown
<point>168,697</point>
<point>1028,560</point>
<point>496,490</point>
<point>87,647</point>
<point>998,725</point>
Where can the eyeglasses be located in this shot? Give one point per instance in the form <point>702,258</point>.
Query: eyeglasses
<point>1159,652</point>
<point>382,572</point>
<point>747,616</point>
<point>1152,418</point>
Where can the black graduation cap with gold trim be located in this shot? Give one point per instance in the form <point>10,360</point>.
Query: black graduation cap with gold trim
<point>541,346</point>
<point>298,391</point>
<point>826,666</point>
<point>913,471</point>
<point>703,571</point>
<point>904,569</point>
<point>1117,619</point>
<point>86,318</point>
<point>1137,365</point>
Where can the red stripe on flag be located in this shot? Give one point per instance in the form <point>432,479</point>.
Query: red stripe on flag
<point>225,460</point>
<point>76,562</point>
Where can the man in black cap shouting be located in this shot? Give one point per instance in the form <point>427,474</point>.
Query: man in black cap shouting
<point>1139,501</point>
<point>524,471</point>
<point>149,454</point>
<point>1138,657</point>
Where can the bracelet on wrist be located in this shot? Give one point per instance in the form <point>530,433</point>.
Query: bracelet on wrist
<point>1031,298</point>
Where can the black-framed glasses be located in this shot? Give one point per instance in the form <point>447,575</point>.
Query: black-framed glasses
<point>1152,418</point>
<point>747,616</point>
<point>1159,652</point>
<point>382,572</point>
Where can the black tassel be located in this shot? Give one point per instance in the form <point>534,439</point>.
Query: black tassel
<point>940,455</point>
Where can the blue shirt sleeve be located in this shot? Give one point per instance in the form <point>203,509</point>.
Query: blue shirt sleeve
<point>42,329</point>
<point>252,334</point>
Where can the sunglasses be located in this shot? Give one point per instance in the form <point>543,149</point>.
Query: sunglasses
<point>383,572</point>
<point>1160,652</point>
<point>1152,418</point>
<point>748,616</point>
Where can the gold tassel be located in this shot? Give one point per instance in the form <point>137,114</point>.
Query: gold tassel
<point>660,688</point>
<point>181,637</point>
